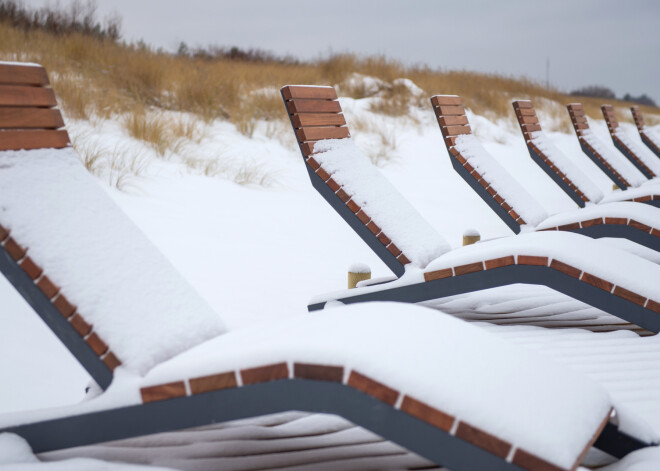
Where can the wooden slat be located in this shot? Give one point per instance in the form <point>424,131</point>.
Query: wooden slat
<point>456,130</point>
<point>25,118</point>
<point>16,95</point>
<point>531,127</point>
<point>581,126</point>
<point>522,104</point>
<point>575,106</point>
<point>450,110</point>
<point>318,119</point>
<point>452,100</point>
<point>580,119</point>
<point>528,119</point>
<point>452,120</point>
<point>316,134</point>
<point>302,91</point>
<point>526,112</point>
<point>307,148</point>
<point>15,140</point>
<point>23,75</point>
<point>313,106</point>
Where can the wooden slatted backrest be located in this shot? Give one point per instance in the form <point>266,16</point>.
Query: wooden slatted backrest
<point>647,138</point>
<point>637,116</point>
<point>28,117</point>
<point>527,118</point>
<point>580,124</point>
<point>612,126</point>
<point>453,123</point>
<point>578,118</point>
<point>610,117</point>
<point>451,117</point>
<point>316,115</point>
<point>529,123</point>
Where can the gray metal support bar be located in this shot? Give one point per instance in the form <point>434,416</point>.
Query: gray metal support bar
<point>485,196</point>
<point>555,178</point>
<point>54,320</point>
<point>650,145</point>
<point>512,274</point>
<point>392,424</point>
<point>621,232</point>
<point>601,166</point>
<point>631,158</point>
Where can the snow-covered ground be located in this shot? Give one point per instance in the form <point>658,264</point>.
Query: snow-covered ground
<point>259,253</point>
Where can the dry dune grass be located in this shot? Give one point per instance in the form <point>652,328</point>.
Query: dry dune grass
<point>101,78</point>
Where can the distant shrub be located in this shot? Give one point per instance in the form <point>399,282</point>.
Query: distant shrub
<point>596,91</point>
<point>214,53</point>
<point>643,99</point>
<point>78,18</point>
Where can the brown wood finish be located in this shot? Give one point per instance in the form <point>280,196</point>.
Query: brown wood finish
<point>318,372</point>
<point>446,100</point>
<point>427,413</point>
<point>30,268</point>
<point>30,118</point>
<point>318,119</point>
<point>213,382</point>
<point>17,95</point>
<point>163,391</point>
<point>531,127</point>
<point>47,287</point>
<point>318,133</point>
<point>373,388</point>
<point>262,374</point>
<point>111,360</point>
<point>14,140</point>
<point>450,110</point>
<point>456,130</point>
<point>313,106</point>
<point>23,74</point>
<point>523,104</point>
<point>468,268</point>
<point>96,343</point>
<point>525,112</point>
<point>483,439</point>
<point>452,120</point>
<point>308,92</point>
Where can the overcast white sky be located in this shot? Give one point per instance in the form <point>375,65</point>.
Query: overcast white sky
<point>609,42</point>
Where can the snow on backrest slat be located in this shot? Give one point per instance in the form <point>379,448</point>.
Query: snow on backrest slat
<point>123,287</point>
<point>555,160</point>
<point>466,149</point>
<point>324,140</point>
<point>378,198</point>
<point>616,164</point>
<point>641,157</point>
<point>651,140</point>
<point>500,180</point>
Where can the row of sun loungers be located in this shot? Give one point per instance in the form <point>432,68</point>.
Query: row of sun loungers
<point>166,361</point>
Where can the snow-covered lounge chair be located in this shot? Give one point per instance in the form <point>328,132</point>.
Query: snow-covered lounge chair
<point>651,140</point>
<point>553,161</point>
<point>617,168</point>
<point>167,362</point>
<point>426,266</point>
<point>642,158</point>
<point>516,207</point>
